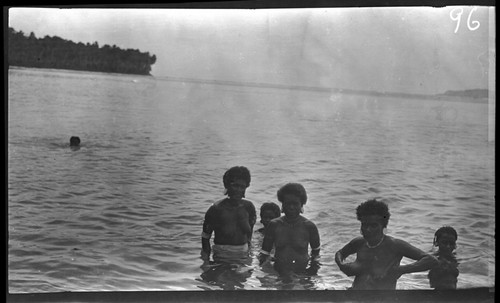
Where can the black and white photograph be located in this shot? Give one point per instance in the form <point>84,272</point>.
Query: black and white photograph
<point>200,151</point>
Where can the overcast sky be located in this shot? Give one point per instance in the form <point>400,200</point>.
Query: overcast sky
<point>411,50</point>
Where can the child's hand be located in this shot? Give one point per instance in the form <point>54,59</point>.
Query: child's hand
<point>313,267</point>
<point>312,270</point>
<point>205,256</point>
<point>352,269</point>
<point>263,258</point>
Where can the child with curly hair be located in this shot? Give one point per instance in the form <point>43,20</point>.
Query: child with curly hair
<point>268,212</point>
<point>377,265</point>
<point>445,275</point>
<point>291,235</point>
<point>231,219</point>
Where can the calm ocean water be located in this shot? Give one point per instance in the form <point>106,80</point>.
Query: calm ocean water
<point>124,212</point>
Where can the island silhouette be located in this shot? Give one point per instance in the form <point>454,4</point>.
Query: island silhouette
<point>55,52</point>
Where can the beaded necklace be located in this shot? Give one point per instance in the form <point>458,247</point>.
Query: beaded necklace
<point>376,245</point>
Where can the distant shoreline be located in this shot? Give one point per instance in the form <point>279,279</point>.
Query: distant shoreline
<point>454,96</point>
<point>461,96</point>
<point>76,71</point>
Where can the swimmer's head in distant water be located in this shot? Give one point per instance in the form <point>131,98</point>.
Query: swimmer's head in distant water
<point>235,178</point>
<point>374,208</point>
<point>74,141</point>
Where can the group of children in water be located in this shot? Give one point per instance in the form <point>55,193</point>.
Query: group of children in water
<point>287,239</point>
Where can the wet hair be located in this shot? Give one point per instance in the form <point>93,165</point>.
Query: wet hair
<point>374,207</point>
<point>295,189</point>
<point>74,141</point>
<point>235,173</point>
<point>272,207</point>
<point>444,230</point>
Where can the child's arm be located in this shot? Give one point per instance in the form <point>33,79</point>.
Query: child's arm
<point>205,248</point>
<point>206,235</point>
<point>252,218</point>
<point>314,242</point>
<point>267,243</point>
<point>423,261</point>
<point>350,269</point>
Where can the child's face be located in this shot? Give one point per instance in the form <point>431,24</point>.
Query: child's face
<point>291,206</point>
<point>266,216</point>
<point>372,227</point>
<point>446,243</point>
<point>236,189</point>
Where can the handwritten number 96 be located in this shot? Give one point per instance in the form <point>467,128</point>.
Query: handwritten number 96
<point>456,15</point>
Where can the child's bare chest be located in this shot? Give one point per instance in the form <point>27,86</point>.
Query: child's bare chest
<point>233,213</point>
<point>294,235</point>
<point>380,256</point>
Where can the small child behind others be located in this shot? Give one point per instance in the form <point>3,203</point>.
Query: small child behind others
<point>268,211</point>
<point>445,274</point>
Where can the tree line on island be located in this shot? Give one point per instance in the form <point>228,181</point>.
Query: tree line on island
<point>469,93</point>
<point>58,53</point>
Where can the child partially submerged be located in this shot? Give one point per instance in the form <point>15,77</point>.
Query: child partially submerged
<point>291,235</point>
<point>268,212</point>
<point>445,275</point>
<point>232,219</point>
<point>377,265</point>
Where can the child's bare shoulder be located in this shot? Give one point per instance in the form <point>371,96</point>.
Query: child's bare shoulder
<point>308,223</point>
<point>277,221</point>
<point>400,246</point>
<point>274,223</point>
<point>247,202</point>
<point>217,203</point>
<point>356,243</point>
